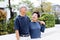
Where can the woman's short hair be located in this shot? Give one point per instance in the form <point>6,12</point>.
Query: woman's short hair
<point>37,14</point>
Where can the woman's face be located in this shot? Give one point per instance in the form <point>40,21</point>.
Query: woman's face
<point>34,17</point>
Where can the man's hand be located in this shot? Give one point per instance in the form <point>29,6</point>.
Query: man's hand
<point>17,34</point>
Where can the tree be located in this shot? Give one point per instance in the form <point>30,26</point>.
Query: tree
<point>46,6</point>
<point>9,6</point>
<point>11,13</point>
<point>29,4</point>
<point>1,0</point>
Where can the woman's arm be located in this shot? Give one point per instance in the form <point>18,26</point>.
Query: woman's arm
<point>17,34</point>
<point>42,26</point>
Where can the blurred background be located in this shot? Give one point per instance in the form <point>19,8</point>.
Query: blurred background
<point>9,9</point>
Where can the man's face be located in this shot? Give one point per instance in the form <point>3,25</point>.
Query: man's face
<point>23,10</point>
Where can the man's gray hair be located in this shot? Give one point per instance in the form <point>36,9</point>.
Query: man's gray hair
<point>23,6</point>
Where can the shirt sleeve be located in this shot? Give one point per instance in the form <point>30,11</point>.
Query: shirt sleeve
<point>29,19</point>
<point>16,24</point>
<point>29,25</point>
<point>42,28</point>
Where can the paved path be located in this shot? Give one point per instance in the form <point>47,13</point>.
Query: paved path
<point>50,34</point>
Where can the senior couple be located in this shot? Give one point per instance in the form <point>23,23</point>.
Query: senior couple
<point>27,29</point>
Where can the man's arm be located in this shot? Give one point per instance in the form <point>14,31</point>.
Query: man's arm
<point>17,34</point>
<point>16,27</point>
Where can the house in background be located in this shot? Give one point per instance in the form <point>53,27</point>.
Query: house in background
<point>56,9</point>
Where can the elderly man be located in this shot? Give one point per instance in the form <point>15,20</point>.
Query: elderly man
<point>21,24</point>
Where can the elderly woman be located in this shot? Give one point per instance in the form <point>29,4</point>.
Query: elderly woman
<point>36,27</point>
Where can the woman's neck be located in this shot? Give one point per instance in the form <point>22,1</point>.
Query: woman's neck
<point>33,20</point>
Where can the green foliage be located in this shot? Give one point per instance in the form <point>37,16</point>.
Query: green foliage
<point>49,20</point>
<point>46,6</point>
<point>28,3</point>
<point>10,24</point>
<point>57,21</point>
<point>3,27</point>
<point>6,27</point>
<point>10,27</point>
<point>29,14</point>
<point>1,0</point>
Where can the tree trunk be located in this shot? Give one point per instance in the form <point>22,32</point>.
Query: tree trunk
<point>11,13</point>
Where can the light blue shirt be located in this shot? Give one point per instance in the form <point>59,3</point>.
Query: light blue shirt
<point>35,30</point>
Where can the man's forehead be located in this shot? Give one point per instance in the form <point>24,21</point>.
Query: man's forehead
<point>23,7</point>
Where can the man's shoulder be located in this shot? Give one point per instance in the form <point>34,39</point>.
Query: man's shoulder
<point>27,17</point>
<point>17,17</point>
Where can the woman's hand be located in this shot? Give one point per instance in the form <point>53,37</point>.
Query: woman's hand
<point>42,22</point>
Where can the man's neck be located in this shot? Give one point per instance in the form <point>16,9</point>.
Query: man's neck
<point>22,14</point>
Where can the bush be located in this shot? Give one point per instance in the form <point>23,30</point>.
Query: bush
<point>29,14</point>
<point>3,28</point>
<point>10,26</point>
<point>49,20</point>
<point>6,27</point>
<point>57,21</point>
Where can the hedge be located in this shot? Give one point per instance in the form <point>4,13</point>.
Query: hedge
<point>29,14</point>
<point>6,27</point>
<point>10,24</point>
<point>3,28</point>
<point>57,21</point>
<point>49,19</point>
